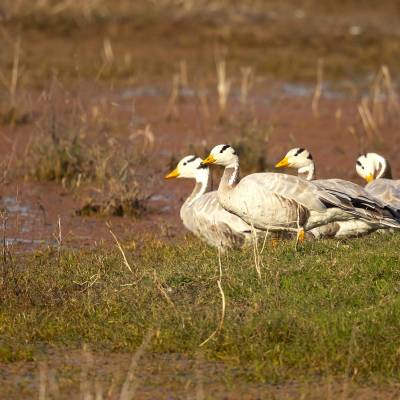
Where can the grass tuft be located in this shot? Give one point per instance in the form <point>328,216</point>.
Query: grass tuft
<point>107,171</point>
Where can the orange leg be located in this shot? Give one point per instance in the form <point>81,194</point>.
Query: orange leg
<point>300,236</point>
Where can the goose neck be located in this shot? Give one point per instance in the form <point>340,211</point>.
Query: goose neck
<point>307,172</point>
<point>203,185</point>
<point>383,168</point>
<point>230,177</point>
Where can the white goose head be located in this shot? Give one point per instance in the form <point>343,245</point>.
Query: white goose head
<point>372,166</point>
<point>222,154</point>
<point>301,159</point>
<point>189,167</point>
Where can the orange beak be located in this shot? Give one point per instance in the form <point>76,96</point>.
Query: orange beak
<point>283,163</point>
<point>209,160</point>
<point>172,174</point>
<point>369,178</point>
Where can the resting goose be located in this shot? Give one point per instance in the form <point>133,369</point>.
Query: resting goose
<point>376,170</point>
<point>202,214</point>
<point>276,202</point>
<point>378,213</point>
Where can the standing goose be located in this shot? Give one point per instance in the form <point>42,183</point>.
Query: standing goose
<point>378,214</point>
<point>376,170</point>
<point>275,202</point>
<point>202,214</point>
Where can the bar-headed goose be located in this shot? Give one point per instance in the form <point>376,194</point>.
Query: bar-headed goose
<point>276,202</point>
<point>378,213</point>
<point>202,214</point>
<point>376,170</point>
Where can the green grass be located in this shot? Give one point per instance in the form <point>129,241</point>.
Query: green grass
<point>328,309</point>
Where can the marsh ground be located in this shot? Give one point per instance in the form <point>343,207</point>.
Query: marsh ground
<point>92,120</point>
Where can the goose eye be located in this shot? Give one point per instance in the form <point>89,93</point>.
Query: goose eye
<point>185,163</point>
<point>360,165</point>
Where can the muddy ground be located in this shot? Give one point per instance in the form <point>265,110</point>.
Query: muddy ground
<point>283,119</point>
<point>170,376</point>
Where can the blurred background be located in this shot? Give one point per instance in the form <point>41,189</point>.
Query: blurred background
<point>99,99</point>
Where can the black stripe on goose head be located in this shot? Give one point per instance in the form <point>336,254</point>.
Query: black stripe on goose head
<point>190,160</point>
<point>359,163</point>
<point>224,147</point>
<point>227,146</point>
<point>309,156</point>
<point>299,151</point>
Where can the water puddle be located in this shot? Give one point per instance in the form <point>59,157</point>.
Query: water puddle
<point>32,242</point>
<point>302,90</point>
<point>160,197</point>
<point>13,206</point>
<point>162,202</point>
<point>142,91</point>
<point>21,219</point>
<point>285,89</point>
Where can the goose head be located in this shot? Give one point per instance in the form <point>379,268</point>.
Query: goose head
<point>222,154</point>
<point>189,167</point>
<point>300,159</point>
<point>296,158</point>
<point>372,166</point>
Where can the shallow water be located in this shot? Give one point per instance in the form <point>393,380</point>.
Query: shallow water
<point>12,205</point>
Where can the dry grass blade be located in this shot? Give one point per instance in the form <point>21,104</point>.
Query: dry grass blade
<point>256,253</point>
<point>4,218</point>
<point>318,88</point>
<point>378,109</point>
<point>15,73</point>
<point>223,303</point>
<point>131,384</point>
<point>172,110</point>
<point>108,51</point>
<point>264,241</point>
<point>148,137</point>
<point>369,124</point>
<point>183,73</point>
<point>223,87</point>
<point>121,251</point>
<point>59,241</point>
<point>202,94</point>
<point>381,104</point>
<point>246,84</point>
<point>10,113</point>
<point>165,295</point>
<point>393,105</point>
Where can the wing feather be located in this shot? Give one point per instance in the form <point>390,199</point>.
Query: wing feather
<point>207,219</point>
<point>387,190</point>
